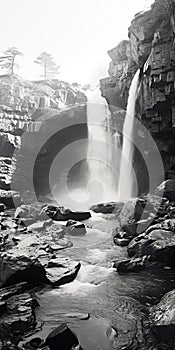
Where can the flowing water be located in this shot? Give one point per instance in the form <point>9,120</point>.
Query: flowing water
<point>101,169</point>
<point>110,299</point>
<point>127,182</point>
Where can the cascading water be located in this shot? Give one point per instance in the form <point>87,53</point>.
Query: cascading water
<point>126,184</point>
<point>101,173</point>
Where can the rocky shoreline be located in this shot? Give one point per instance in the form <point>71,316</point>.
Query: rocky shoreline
<point>32,239</point>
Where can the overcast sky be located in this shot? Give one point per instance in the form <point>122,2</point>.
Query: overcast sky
<point>77,33</point>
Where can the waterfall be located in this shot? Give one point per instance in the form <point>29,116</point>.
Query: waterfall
<point>126,176</point>
<point>101,173</point>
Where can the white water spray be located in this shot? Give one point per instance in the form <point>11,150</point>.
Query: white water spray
<point>101,174</point>
<point>126,183</point>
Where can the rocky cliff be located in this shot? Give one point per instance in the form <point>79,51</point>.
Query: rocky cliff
<point>30,113</point>
<point>151,47</point>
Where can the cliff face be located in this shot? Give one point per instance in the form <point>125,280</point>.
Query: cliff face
<point>151,47</point>
<point>30,113</point>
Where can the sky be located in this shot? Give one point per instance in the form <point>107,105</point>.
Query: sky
<point>78,33</point>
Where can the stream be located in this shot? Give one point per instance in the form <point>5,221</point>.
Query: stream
<point>100,292</point>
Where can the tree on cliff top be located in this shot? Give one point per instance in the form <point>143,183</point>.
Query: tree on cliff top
<point>7,60</point>
<point>50,69</point>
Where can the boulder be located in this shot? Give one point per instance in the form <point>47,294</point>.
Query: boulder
<point>132,210</point>
<point>159,245</point>
<point>16,269</point>
<point>122,242</point>
<point>75,228</point>
<point>162,317</point>
<point>62,214</point>
<point>28,211</point>
<point>10,291</point>
<point>39,225</point>
<point>37,269</point>
<point>2,207</point>
<point>11,199</point>
<point>4,235</point>
<point>108,208</point>
<point>19,314</point>
<point>136,215</point>
<point>167,189</point>
<point>132,265</point>
<point>61,270</point>
<point>62,338</point>
<point>8,144</point>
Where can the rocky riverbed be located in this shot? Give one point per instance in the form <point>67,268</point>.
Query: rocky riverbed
<point>90,280</point>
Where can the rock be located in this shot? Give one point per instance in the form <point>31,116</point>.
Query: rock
<point>134,212</point>
<point>122,242</point>
<point>134,246</point>
<point>10,291</point>
<point>60,271</point>
<point>16,269</point>
<point>167,189</point>
<point>108,208</point>
<point>78,315</point>
<point>62,214</point>
<point>11,199</point>
<point>62,338</point>
<point>39,225</point>
<point>159,245</point>
<point>3,239</point>
<point>8,223</point>
<point>28,211</point>
<point>8,144</point>
<point>162,317</point>
<point>75,228</point>
<point>132,265</point>
<point>2,207</point>
<point>19,313</point>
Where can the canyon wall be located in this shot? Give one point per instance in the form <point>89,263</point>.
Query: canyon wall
<point>150,47</point>
<point>31,113</point>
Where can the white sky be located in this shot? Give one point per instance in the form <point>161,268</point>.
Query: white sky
<point>77,33</point>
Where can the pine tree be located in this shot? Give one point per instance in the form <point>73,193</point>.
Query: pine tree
<point>50,69</point>
<point>7,60</point>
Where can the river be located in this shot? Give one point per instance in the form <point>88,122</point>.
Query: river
<point>98,290</point>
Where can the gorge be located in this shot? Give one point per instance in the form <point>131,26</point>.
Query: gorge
<point>87,201</point>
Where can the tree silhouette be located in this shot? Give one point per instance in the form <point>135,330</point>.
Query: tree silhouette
<point>7,60</point>
<point>50,69</point>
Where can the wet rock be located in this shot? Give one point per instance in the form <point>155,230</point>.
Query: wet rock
<point>8,144</point>
<point>28,211</point>
<point>8,223</point>
<point>158,244</point>
<point>75,228</point>
<point>10,291</point>
<point>62,214</point>
<point>132,265</point>
<point>162,317</point>
<point>108,208</point>
<point>20,315</point>
<point>62,338</point>
<point>122,242</point>
<point>135,245</point>
<point>3,239</point>
<point>60,271</point>
<point>11,199</point>
<point>78,315</point>
<point>167,189</point>
<point>132,210</point>
<point>2,207</point>
<point>16,269</point>
<point>39,225</point>
<point>34,343</point>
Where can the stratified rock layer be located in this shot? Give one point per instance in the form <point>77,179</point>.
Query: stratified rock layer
<point>151,48</point>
